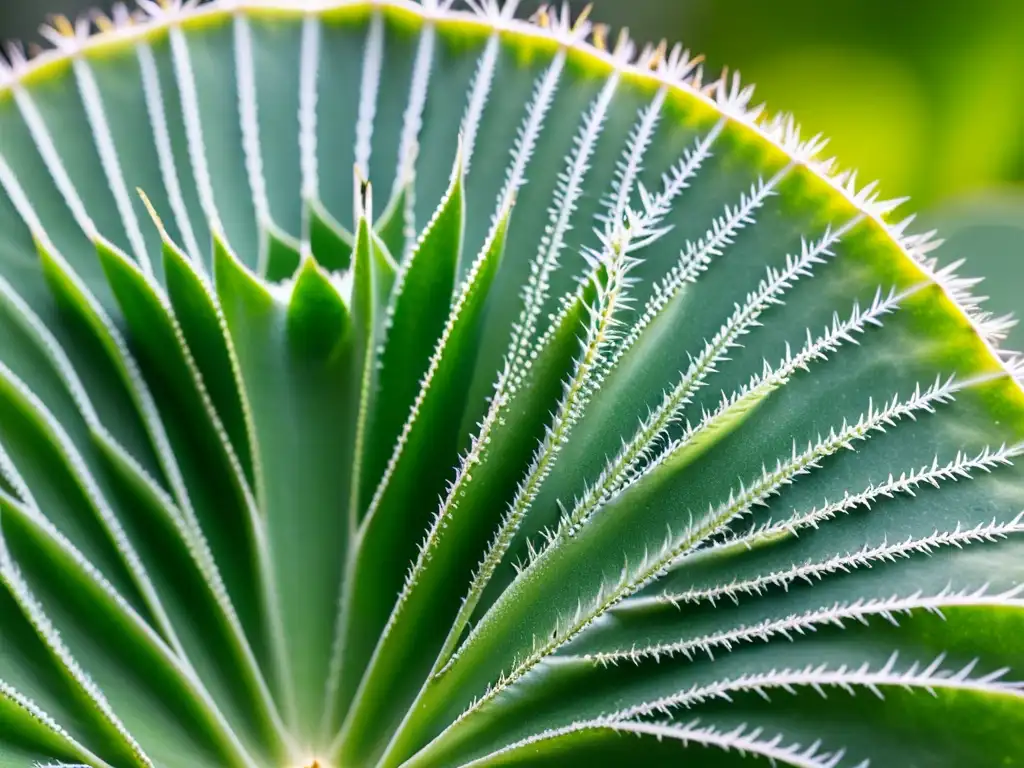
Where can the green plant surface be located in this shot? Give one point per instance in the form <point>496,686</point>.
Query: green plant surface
<point>394,384</point>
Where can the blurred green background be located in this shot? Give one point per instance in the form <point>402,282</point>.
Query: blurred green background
<point>925,95</point>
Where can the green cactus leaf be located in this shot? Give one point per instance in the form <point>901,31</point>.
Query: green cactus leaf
<point>623,429</point>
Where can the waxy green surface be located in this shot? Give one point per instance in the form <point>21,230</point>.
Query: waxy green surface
<point>298,466</point>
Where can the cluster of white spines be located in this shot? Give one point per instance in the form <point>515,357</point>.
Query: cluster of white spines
<point>634,576</point>
<point>861,610</point>
<point>819,677</point>
<point>493,10</point>
<point>742,500</point>
<point>960,467</point>
<point>529,131</point>
<point>162,9</point>
<point>601,333</point>
<point>564,203</point>
<point>480,440</point>
<point>674,68</point>
<point>630,165</point>
<point>65,37</point>
<point>761,385</point>
<point>742,739</point>
<point>697,256</point>
<point>991,327</point>
<point>870,554</point>
<point>654,429</point>
<point>44,143</point>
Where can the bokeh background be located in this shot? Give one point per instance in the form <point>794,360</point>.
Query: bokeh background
<point>925,95</point>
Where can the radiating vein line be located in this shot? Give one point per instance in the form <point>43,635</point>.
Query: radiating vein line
<point>959,468</point>
<point>185,76</point>
<point>865,557</point>
<point>76,466</point>
<point>630,165</point>
<point>529,132</point>
<point>568,192</point>
<point>182,669</point>
<point>673,183</point>
<point>165,153</point>
<point>309,70</point>
<point>248,117</point>
<point>15,479</point>
<point>838,615</point>
<point>104,141</point>
<point>742,739</point>
<point>46,721</point>
<point>373,64</point>
<point>412,120</point>
<point>634,577</point>
<point>51,158</point>
<point>697,256</point>
<point>818,677</point>
<point>483,80</point>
